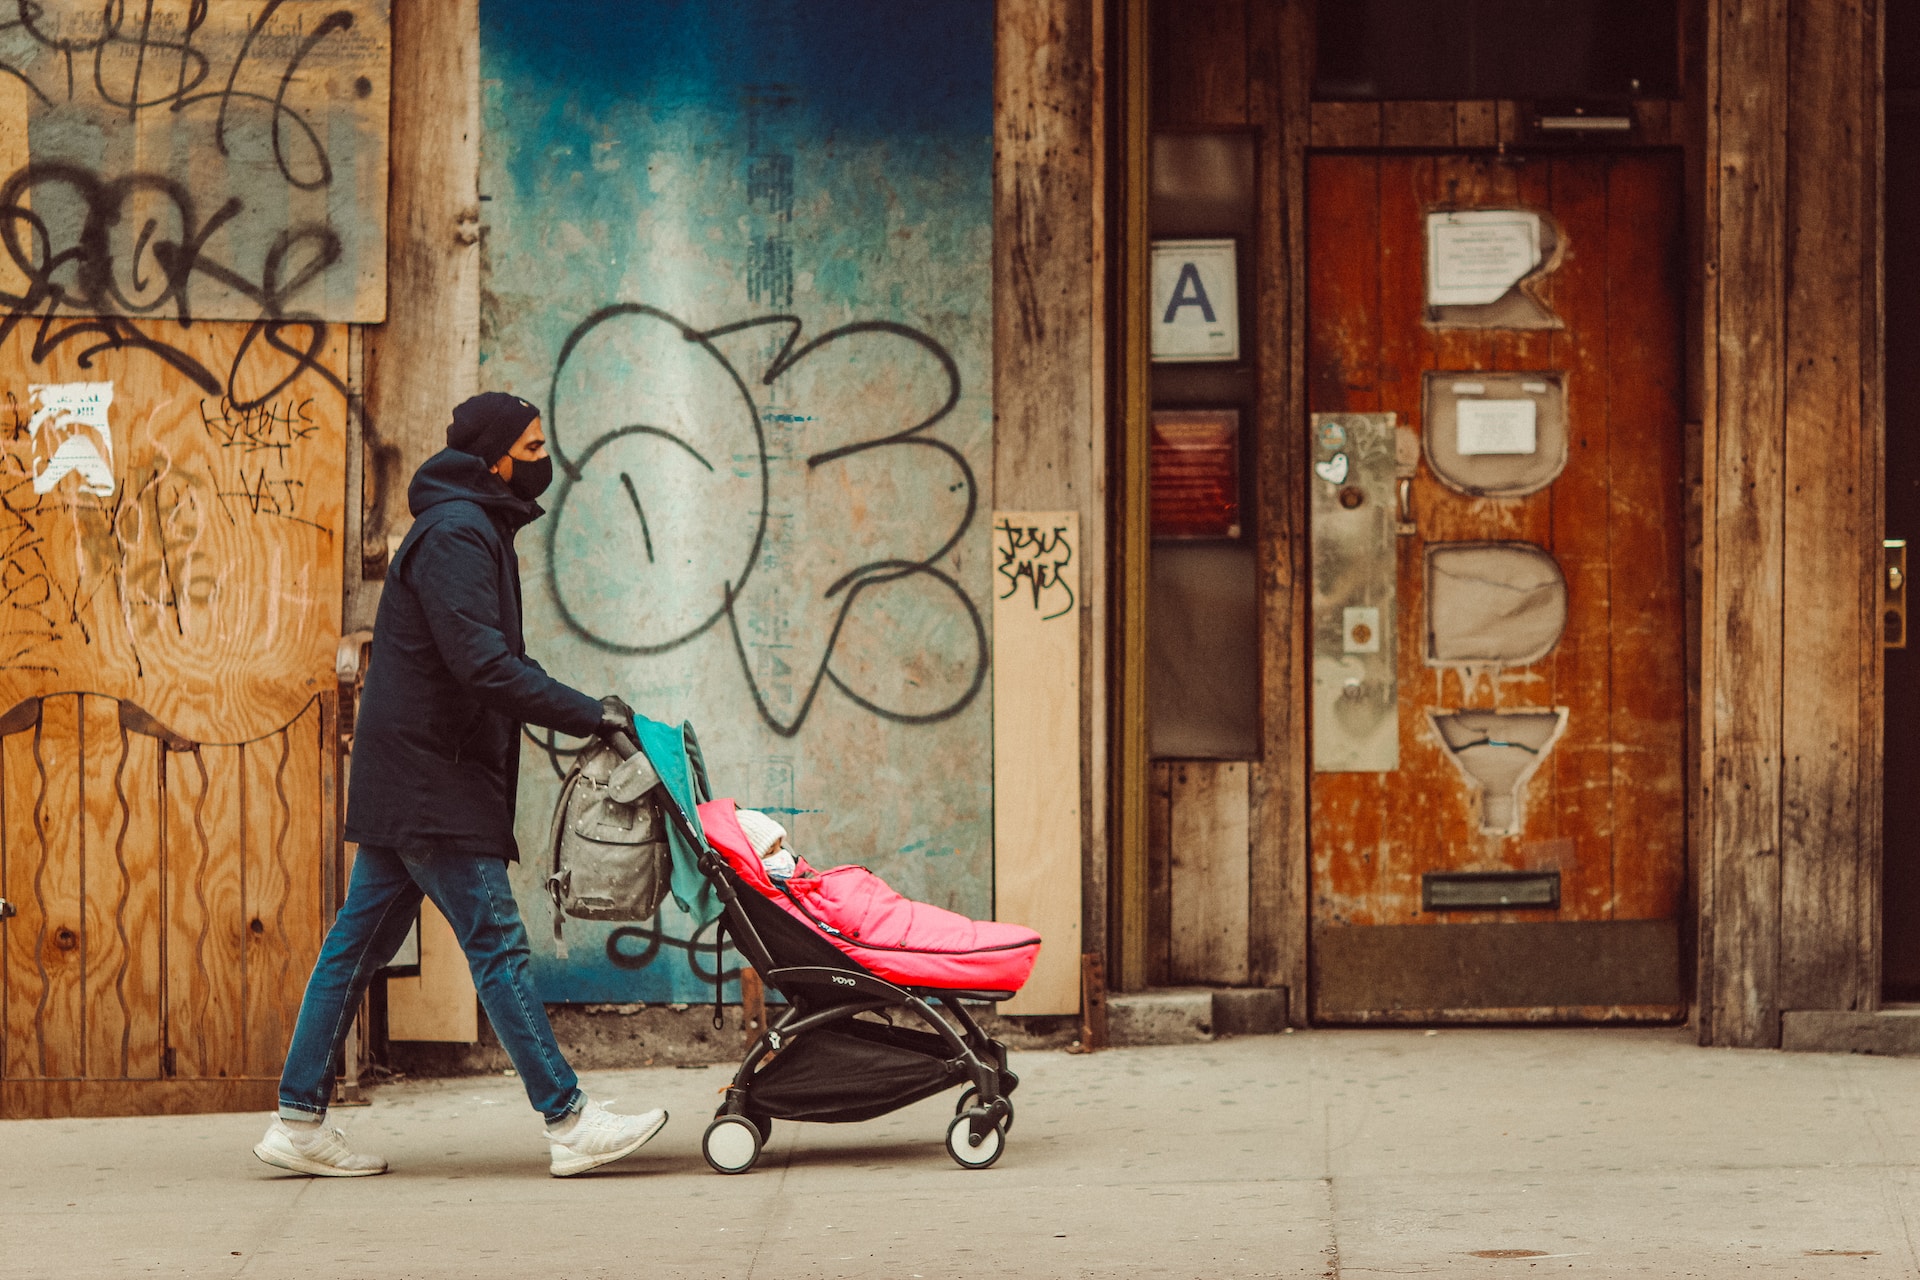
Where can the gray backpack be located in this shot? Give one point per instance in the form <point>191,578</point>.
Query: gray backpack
<point>610,855</point>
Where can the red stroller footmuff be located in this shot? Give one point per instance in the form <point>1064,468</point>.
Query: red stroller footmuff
<point>911,943</point>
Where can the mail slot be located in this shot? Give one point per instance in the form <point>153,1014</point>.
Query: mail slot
<point>1489,890</point>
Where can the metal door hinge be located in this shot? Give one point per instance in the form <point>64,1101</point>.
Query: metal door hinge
<point>1893,608</point>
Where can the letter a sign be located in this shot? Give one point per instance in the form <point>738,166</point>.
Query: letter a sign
<point>1196,301</point>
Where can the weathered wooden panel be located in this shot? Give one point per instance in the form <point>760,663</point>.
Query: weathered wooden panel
<point>59,884</point>
<point>200,577</point>
<point>438,1002</point>
<point>114,958</point>
<point>1644,380</point>
<point>426,357</point>
<point>1822,861</point>
<point>1277,894</point>
<point>172,910</point>
<point>1036,747</point>
<point>1200,56</point>
<point>216,161</point>
<point>1746,517</point>
<point>1417,124</point>
<point>1346,124</point>
<point>1568,971</point>
<point>1159,872</point>
<point>1207,847</point>
<point>1051,149</point>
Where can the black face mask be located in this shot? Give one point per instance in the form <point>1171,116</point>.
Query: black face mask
<point>531,477</point>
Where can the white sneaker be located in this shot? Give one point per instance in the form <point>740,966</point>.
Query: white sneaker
<point>321,1152</point>
<point>597,1137</point>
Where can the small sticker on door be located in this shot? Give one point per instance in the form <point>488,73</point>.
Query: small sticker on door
<point>1360,629</point>
<point>70,434</point>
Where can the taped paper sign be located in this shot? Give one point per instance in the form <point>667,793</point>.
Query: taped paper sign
<point>1496,426</point>
<point>70,434</point>
<point>1475,256</point>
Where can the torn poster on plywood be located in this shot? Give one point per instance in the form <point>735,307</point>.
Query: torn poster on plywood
<point>70,435</point>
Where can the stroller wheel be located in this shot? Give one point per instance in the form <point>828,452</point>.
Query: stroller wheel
<point>971,1096</point>
<point>732,1144</point>
<point>961,1148</point>
<point>764,1123</point>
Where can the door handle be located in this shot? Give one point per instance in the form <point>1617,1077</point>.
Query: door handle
<point>1403,504</point>
<point>6,909</point>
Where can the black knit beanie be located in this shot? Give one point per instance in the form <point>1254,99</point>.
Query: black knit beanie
<point>487,425</point>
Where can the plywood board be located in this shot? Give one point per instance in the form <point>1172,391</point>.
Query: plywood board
<point>1208,844</point>
<point>439,1003</point>
<point>1036,746</point>
<point>201,578</point>
<point>225,160</point>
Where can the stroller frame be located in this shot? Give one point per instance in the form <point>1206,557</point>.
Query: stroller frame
<point>826,991</point>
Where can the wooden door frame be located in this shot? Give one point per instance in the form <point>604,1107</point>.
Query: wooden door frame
<point>1784,369</point>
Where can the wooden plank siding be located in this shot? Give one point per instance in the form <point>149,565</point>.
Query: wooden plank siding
<point>1793,425</point>
<point>171,894</point>
<point>1049,355</point>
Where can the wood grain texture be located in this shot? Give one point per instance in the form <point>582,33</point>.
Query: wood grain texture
<point>59,884</point>
<point>439,1002</point>
<point>117,960</point>
<point>1747,519</point>
<point>1417,124</point>
<point>1159,872</point>
<point>1207,847</point>
<point>1050,307</point>
<point>1036,753</point>
<point>1345,124</point>
<point>1277,894</point>
<point>1200,54</point>
<point>27,1099</point>
<point>426,357</point>
<point>206,586</point>
<point>1822,864</point>
<point>1128,534</point>
<point>26,934</point>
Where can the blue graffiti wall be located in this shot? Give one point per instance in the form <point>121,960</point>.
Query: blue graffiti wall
<point>741,254</point>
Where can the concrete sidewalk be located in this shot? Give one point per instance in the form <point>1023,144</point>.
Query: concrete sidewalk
<point>1357,1153</point>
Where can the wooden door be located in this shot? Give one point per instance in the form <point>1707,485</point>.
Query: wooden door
<point>1516,762</point>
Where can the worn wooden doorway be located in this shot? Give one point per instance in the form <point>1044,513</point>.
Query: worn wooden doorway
<point>1498,712</point>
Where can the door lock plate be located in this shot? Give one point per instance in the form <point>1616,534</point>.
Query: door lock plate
<point>1893,594</point>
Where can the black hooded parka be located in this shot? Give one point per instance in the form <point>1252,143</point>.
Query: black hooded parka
<point>436,749</point>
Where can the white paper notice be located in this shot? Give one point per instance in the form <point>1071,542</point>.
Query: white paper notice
<point>1496,426</point>
<point>1474,256</point>
<point>70,433</point>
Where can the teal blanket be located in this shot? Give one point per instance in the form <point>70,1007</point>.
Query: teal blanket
<point>666,750</point>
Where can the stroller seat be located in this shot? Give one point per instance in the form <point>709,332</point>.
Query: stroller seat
<point>912,944</point>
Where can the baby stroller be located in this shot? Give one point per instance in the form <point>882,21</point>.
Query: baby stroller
<point>835,1054</point>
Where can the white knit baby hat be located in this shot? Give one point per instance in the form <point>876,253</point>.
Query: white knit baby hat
<point>762,832</point>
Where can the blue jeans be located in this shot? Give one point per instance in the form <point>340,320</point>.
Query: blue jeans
<point>477,900</point>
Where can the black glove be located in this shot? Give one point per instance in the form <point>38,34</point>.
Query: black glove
<point>616,718</point>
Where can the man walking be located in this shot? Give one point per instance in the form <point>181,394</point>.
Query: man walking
<point>435,768</point>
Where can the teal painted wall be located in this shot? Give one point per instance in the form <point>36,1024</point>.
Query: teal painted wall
<point>741,254</point>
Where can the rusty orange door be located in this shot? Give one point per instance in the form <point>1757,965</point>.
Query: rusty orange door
<point>1498,637</point>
